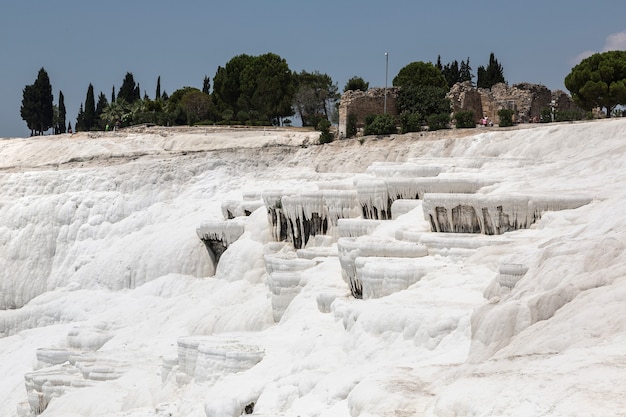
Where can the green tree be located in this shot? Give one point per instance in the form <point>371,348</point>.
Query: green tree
<point>29,109</point>
<point>356,84</point>
<point>157,95</point>
<point>465,72</point>
<point>382,124</point>
<point>420,74</point>
<point>423,90</point>
<point>197,106</point>
<point>273,87</point>
<point>490,76</point>
<point>37,109</point>
<point>315,97</point>
<point>114,112</point>
<point>129,91</point>
<point>206,85</point>
<point>100,106</point>
<point>60,125</point>
<point>80,119</point>
<point>451,73</point>
<point>89,117</point>
<point>227,91</point>
<point>423,100</point>
<point>599,81</point>
<point>259,86</point>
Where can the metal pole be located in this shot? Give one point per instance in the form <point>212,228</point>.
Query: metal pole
<point>386,72</point>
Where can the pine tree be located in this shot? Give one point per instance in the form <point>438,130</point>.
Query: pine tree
<point>158,89</point>
<point>62,113</point>
<point>89,119</point>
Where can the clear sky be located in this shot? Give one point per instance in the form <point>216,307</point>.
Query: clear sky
<point>80,42</point>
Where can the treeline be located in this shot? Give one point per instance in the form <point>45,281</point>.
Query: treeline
<point>251,90</point>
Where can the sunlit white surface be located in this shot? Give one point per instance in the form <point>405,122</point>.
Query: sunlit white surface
<point>103,279</point>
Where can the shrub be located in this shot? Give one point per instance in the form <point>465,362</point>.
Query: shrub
<point>324,127</point>
<point>410,122</point>
<point>351,126</point>
<point>506,117</point>
<point>568,115</point>
<point>383,124</point>
<point>545,115</point>
<point>438,121</point>
<point>464,119</point>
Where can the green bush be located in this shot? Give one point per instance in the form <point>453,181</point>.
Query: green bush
<point>324,127</point>
<point>568,115</point>
<point>410,122</point>
<point>383,124</point>
<point>438,121</point>
<point>506,117</point>
<point>545,115</point>
<point>464,119</point>
<point>351,129</point>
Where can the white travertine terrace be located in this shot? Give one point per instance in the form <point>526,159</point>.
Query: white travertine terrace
<point>492,214</point>
<point>207,358</point>
<point>377,195</point>
<point>218,235</point>
<point>317,213</point>
<point>284,280</point>
<point>382,276</point>
<point>235,208</point>
<point>368,246</point>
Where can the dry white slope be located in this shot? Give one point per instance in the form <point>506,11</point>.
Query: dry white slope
<point>99,258</point>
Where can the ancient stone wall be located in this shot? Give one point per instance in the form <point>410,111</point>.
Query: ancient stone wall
<point>526,100</point>
<point>465,97</point>
<point>362,104</point>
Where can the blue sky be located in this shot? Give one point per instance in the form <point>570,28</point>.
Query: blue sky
<point>81,41</point>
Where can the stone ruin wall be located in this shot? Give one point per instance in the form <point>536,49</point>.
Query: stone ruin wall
<point>362,104</point>
<point>525,99</point>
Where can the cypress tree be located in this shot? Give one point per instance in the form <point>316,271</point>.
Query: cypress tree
<point>158,89</point>
<point>45,98</point>
<point>206,85</point>
<point>62,113</point>
<point>493,74</point>
<point>89,119</point>
<point>28,111</point>
<point>113,95</point>
<point>80,119</point>
<point>100,106</point>
<point>129,91</point>
<point>69,127</point>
